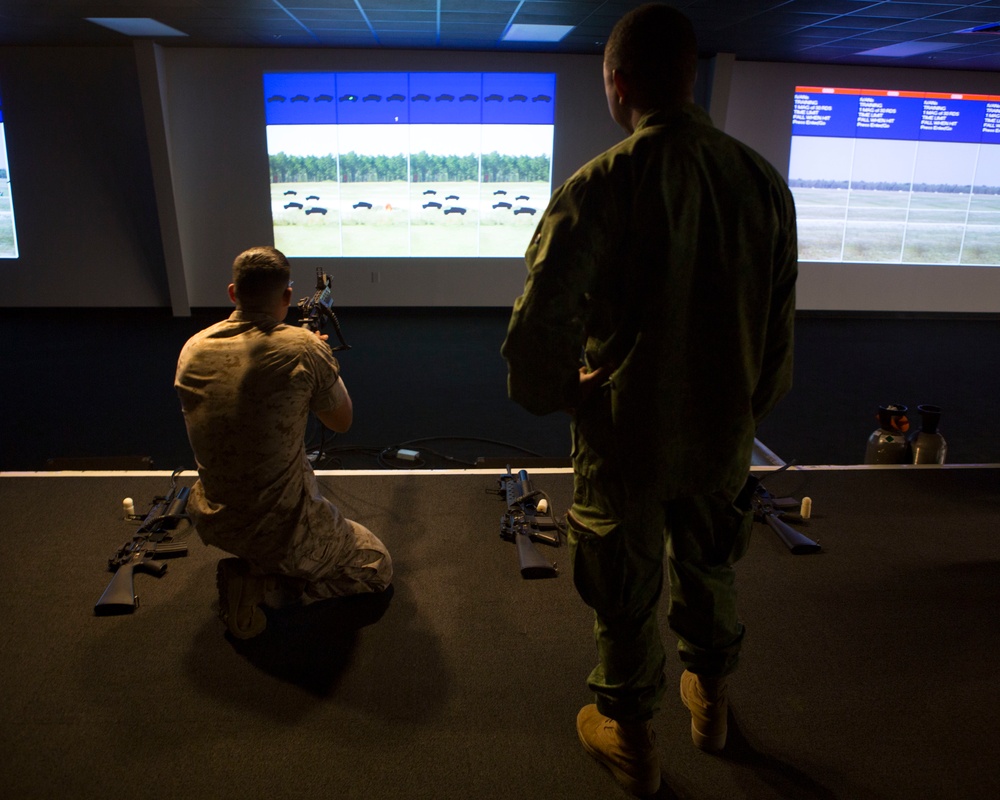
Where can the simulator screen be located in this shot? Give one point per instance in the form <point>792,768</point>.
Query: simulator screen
<point>882,176</point>
<point>8,233</point>
<point>408,164</point>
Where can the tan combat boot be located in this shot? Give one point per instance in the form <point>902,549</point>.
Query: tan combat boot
<point>628,749</point>
<point>240,595</point>
<point>709,706</point>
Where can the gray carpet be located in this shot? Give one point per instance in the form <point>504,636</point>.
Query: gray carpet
<point>868,672</point>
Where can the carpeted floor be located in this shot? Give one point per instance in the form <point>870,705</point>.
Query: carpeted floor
<point>868,671</point>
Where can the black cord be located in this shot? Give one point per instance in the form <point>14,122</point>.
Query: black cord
<point>382,456</point>
<point>470,439</point>
<point>330,456</point>
<point>419,462</point>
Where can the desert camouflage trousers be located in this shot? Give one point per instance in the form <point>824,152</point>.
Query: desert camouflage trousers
<point>365,566</point>
<point>319,553</point>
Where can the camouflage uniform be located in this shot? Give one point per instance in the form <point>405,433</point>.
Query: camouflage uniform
<point>671,260</point>
<point>246,387</point>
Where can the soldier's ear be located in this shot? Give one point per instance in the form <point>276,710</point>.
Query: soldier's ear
<point>623,87</point>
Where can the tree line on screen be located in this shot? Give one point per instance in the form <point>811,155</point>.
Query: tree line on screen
<point>889,186</point>
<point>423,168</point>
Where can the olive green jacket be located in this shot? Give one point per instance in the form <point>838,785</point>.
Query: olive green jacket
<point>671,259</point>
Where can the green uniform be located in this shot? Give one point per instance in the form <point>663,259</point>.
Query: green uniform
<point>670,260</point>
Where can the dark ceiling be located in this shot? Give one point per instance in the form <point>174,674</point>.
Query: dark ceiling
<point>918,33</point>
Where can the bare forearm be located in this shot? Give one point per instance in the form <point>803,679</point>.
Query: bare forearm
<point>341,416</point>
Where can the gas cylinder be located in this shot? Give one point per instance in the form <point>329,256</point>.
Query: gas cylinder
<point>888,443</point>
<point>927,445</point>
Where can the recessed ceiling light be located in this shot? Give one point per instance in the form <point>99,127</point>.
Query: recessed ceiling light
<point>136,26</point>
<point>993,27</point>
<point>904,49</point>
<point>536,33</point>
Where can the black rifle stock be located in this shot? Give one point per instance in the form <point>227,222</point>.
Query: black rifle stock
<point>318,308</point>
<point>144,553</point>
<point>524,524</point>
<point>120,596</point>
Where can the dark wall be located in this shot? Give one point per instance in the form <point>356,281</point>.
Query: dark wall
<point>848,365</point>
<point>88,343</point>
<point>84,196</point>
<point>89,230</point>
<point>81,182</point>
<point>98,383</point>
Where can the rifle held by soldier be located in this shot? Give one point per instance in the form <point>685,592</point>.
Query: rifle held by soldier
<point>318,309</point>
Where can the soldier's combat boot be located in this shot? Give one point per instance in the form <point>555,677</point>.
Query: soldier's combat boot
<point>240,595</point>
<point>628,749</point>
<point>708,703</point>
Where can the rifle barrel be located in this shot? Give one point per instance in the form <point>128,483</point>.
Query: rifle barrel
<point>794,541</point>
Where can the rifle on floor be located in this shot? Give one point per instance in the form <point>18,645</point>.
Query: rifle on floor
<point>527,520</point>
<point>771,510</point>
<point>151,543</point>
